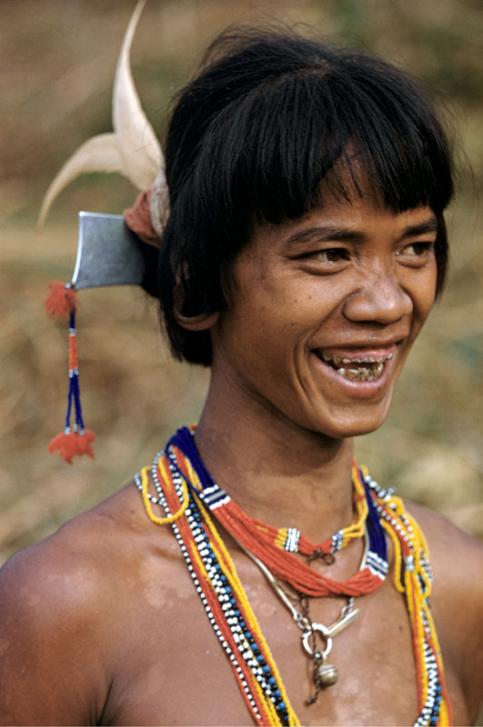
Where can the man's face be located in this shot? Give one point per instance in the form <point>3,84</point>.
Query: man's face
<point>323,312</point>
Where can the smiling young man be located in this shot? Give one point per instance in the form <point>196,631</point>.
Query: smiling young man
<point>272,580</point>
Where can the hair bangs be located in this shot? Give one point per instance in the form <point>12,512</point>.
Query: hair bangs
<point>291,140</point>
<point>307,140</point>
<point>405,162</point>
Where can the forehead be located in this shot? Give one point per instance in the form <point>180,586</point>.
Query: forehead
<point>346,220</point>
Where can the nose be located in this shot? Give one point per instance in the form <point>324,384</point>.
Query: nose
<point>380,299</point>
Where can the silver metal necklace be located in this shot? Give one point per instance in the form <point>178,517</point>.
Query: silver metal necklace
<point>317,638</point>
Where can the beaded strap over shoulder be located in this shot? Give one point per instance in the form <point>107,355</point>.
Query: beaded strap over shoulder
<point>225,602</point>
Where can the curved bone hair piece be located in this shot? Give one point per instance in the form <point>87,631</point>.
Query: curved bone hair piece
<point>99,154</point>
<point>139,148</point>
<point>132,150</point>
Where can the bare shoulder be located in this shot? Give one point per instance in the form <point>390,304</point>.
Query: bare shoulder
<point>456,556</point>
<point>457,597</point>
<point>82,566</point>
<point>62,604</point>
<point>76,564</point>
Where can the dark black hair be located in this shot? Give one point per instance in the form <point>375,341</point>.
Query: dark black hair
<point>255,133</point>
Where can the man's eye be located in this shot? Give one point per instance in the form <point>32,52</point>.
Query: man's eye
<point>331,255</point>
<point>418,249</point>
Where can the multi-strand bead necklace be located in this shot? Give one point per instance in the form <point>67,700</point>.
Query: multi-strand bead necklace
<point>189,500</point>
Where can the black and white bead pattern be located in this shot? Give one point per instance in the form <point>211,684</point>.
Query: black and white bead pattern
<point>161,501</point>
<point>246,644</point>
<point>377,565</point>
<point>292,540</point>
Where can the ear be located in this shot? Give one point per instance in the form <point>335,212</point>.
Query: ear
<point>198,322</point>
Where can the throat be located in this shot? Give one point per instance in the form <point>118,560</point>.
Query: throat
<point>315,498</point>
<point>278,471</point>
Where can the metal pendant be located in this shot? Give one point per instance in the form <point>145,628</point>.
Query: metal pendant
<point>327,633</point>
<point>327,675</point>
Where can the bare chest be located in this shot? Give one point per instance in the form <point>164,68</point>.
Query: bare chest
<point>172,669</point>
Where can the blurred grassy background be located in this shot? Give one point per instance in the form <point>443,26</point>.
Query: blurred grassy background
<point>57,65</point>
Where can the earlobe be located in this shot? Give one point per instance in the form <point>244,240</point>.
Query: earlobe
<point>195,322</point>
<point>200,322</point>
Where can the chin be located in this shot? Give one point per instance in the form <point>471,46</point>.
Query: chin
<point>354,423</point>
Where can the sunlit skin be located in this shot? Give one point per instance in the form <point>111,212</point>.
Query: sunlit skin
<point>100,623</point>
<point>347,279</point>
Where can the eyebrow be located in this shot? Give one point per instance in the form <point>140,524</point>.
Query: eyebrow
<point>429,225</point>
<point>337,233</point>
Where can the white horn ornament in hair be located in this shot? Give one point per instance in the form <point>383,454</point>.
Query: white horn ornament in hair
<point>132,149</point>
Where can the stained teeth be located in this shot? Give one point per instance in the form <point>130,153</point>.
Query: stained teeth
<point>336,361</point>
<point>361,373</point>
<point>357,369</point>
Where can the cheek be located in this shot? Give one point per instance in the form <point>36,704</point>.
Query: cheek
<point>426,292</point>
<point>264,330</point>
<point>422,290</point>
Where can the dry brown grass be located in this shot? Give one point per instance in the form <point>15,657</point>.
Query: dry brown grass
<point>59,60</point>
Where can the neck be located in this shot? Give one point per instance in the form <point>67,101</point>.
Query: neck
<point>276,471</point>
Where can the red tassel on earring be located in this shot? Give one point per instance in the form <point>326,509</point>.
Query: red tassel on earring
<point>84,443</point>
<point>73,444</point>
<point>61,301</point>
<point>75,440</point>
<point>65,443</point>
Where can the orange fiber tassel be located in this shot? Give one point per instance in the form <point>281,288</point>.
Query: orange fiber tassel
<point>61,301</point>
<point>73,444</point>
<point>84,442</point>
<point>65,444</point>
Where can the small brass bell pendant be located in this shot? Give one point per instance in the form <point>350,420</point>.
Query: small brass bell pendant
<point>327,675</point>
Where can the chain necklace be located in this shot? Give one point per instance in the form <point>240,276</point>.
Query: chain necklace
<point>323,675</point>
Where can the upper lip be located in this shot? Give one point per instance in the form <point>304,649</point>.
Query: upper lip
<point>362,346</point>
<point>374,350</point>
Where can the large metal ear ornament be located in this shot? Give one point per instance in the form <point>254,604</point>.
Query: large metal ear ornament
<point>121,262</point>
<point>108,252</point>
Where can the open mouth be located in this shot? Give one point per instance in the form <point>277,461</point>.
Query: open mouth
<point>361,368</point>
